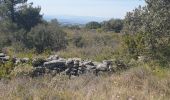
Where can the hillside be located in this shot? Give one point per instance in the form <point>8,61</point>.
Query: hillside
<point>84,58</point>
<point>75,20</point>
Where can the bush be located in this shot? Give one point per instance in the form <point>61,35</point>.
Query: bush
<point>28,17</point>
<point>5,69</point>
<point>46,36</point>
<point>150,27</point>
<point>93,25</point>
<point>22,70</point>
<point>38,62</point>
<point>115,25</point>
<point>6,33</point>
<point>135,45</point>
<point>78,41</point>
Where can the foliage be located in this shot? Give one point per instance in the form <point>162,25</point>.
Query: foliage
<point>138,80</point>
<point>10,7</point>
<point>28,17</point>
<point>47,36</point>
<point>5,69</point>
<point>38,62</point>
<point>21,70</point>
<point>152,21</point>
<point>135,44</point>
<point>93,25</point>
<point>115,25</point>
<point>78,41</point>
<point>90,45</point>
<point>133,21</point>
<point>6,33</point>
<point>17,17</point>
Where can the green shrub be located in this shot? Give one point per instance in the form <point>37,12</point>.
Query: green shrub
<point>21,70</point>
<point>149,28</point>
<point>5,69</point>
<point>78,41</point>
<point>44,37</point>
<point>115,25</point>
<point>93,25</point>
<point>38,62</point>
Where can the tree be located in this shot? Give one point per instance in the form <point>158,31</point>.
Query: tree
<point>28,17</point>
<point>158,27</point>
<point>20,13</point>
<point>93,25</point>
<point>152,21</point>
<point>17,17</point>
<point>55,22</point>
<point>133,22</point>
<point>10,8</point>
<point>113,25</point>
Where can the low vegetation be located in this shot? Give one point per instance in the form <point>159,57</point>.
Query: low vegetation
<point>140,41</point>
<point>138,83</point>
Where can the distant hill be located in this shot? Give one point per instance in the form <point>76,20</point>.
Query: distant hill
<point>75,19</point>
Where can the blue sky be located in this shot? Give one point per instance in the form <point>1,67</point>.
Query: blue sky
<point>95,8</point>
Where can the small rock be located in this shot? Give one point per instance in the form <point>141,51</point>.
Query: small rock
<point>6,58</point>
<point>2,55</point>
<point>25,60</point>
<point>53,57</point>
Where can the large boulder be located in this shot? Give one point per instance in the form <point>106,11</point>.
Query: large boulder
<point>90,69</point>
<point>76,63</point>
<point>73,65</point>
<point>106,66</point>
<point>88,63</point>
<point>86,67</point>
<point>70,63</point>
<point>55,64</point>
<point>102,67</point>
<point>96,63</point>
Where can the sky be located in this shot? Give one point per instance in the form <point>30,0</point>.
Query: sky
<point>94,8</point>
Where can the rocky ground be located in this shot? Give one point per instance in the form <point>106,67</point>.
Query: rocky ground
<point>72,67</point>
<point>57,78</point>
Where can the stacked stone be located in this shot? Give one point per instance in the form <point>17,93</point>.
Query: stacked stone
<point>72,66</point>
<point>4,57</point>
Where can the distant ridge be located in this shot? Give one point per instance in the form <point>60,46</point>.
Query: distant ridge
<point>75,19</point>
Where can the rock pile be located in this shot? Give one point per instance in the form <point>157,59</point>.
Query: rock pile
<point>72,66</point>
<point>4,57</point>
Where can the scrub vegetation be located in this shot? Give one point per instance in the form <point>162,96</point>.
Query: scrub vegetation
<point>138,47</point>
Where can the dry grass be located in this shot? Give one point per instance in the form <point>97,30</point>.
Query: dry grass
<point>135,84</point>
<point>97,53</point>
<point>95,45</point>
<point>139,83</point>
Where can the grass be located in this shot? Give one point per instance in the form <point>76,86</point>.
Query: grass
<point>21,70</point>
<point>140,83</point>
<point>94,45</point>
<point>94,53</point>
